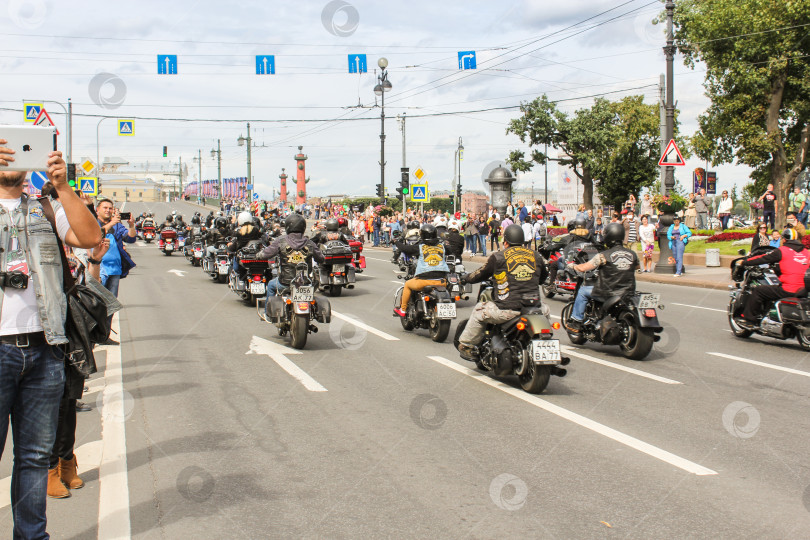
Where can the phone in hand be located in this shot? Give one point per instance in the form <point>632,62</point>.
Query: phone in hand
<point>125,216</point>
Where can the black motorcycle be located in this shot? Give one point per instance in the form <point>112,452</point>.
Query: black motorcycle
<point>786,318</point>
<point>337,270</point>
<point>295,307</point>
<point>433,308</point>
<point>250,280</point>
<point>629,321</point>
<point>218,266</point>
<point>564,282</point>
<point>524,347</point>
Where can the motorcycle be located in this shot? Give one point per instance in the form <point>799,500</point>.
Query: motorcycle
<point>168,241</point>
<point>524,347</point>
<point>218,266</point>
<point>629,321</point>
<point>564,282</point>
<point>358,259</point>
<point>295,307</point>
<point>432,308</point>
<point>457,271</point>
<point>250,281</point>
<point>337,270</point>
<point>148,234</point>
<point>787,318</point>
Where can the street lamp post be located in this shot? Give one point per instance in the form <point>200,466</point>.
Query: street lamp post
<point>241,141</point>
<point>383,86</point>
<point>457,181</point>
<point>218,154</point>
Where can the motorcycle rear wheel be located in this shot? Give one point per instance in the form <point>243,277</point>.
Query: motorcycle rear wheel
<point>536,378</point>
<point>439,329</point>
<point>803,337</point>
<point>298,331</point>
<point>639,341</point>
<point>564,316</point>
<point>222,278</point>
<point>335,290</point>
<point>739,331</point>
<point>548,288</point>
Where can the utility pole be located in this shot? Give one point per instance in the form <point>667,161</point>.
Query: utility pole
<point>402,127</point>
<point>250,177</point>
<point>545,197</point>
<point>199,162</point>
<point>669,51</point>
<point>180,176</point>
<point>662,111</point>
<point>70,132</point>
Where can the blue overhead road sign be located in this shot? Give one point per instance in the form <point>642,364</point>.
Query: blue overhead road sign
<point>466,60</point>
<point>357,63</point>
<point>265,64</point>
<point>167,64</point>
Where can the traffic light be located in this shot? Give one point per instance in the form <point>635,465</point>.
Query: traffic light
<point>458,193</point>
<point>165,151</point>
<point>379,190</point>
<point>71,176</point>
<point>405,182</point>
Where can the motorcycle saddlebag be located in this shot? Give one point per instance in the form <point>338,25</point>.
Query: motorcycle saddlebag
<point>276,309</point>
<point>324,312</point>
<point>609,331</point>
<point>795,310</point>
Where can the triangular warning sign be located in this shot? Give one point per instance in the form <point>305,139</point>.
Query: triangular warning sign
<point>87,187</point>
<point>672,156</point>
<point>44,119</point>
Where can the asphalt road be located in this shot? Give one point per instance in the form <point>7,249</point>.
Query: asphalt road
<point>383,433</point>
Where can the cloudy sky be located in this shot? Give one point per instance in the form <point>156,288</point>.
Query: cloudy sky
<point>569,50</point>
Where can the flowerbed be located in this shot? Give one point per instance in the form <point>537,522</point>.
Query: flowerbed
<point>728,237</point>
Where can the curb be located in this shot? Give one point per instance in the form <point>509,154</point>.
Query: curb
<point>683,282</point>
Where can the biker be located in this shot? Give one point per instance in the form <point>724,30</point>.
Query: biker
<point>794,262</point>
<point>179,223</point>
<point>214,235</point>
<point>440,222</point>
<point>169,223</point>
<point>292,248</point>
<point>209,219</point>
<point>244,235</point>
<point>330,233</point>
<point>617,275</point>
<point>578,233</point>
<point>411,233</point>
<point>148,221</point>
<point>517,272</point>
<point>431,268</point>
<point>343,226</point>
<point>454,242</point>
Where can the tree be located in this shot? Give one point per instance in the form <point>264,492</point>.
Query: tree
<point>758,80</point>
<point>585,138</point>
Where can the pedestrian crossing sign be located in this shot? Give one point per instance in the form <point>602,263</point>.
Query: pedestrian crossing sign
<point>419,193</point>
<point>31,111</point>
<point>126,127</point>
<point>88,185</point>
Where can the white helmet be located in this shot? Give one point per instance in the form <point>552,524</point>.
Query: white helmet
<point>454,224</point>
<point>440,221</point>
<point>174,212</point>
<point>244,218</point>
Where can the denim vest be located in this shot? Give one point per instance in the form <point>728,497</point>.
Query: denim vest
<point>44,264</point>
<point>431,259</point>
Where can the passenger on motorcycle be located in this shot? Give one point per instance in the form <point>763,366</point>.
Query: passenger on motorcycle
<point>454,241</point>
<point>517,272</point>
<point>411,231</point>
<point>578,233</point>
<point>245,234</point>
<point>292,249</point>
<point>148,221</point>
<point>215,234</point>
<point>431,268</point>
<point>794,262</point>
<point>330,233</point>
<point>617,275</point>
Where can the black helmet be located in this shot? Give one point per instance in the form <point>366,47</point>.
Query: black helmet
<point>331,225</point>
<point>169,218</point>
<point>580,223</point>
<point>570,226</point>
<point>513,235</point>
<point>221,223</point>
<point>613,234</point>
<point>195,220</point>
<point>413,224</point>
<point>429,234</point>
<point>295,223</point>
<point>257,222</point>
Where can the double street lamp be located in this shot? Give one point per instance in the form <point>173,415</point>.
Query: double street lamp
<point>383,86</point>
<point>241,142</point>
<point>218,155</point>
<point>457,180</point>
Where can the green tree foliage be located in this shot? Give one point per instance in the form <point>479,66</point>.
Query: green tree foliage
<point>758,79</point>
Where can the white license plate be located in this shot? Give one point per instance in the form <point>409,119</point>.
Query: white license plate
<point>198,254</point>
<point>223,269</point>
<point>169,247</point>
<point>257,287</point>
<point>446,311</point>
<point>647,301</point>
<point>303,294</point>
<point>339,268</point>
<point>546,351</point>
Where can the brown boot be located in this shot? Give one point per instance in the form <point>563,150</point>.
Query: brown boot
<point>56,488</point>
<point>68,471</point>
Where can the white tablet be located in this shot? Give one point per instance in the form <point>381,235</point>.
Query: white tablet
<point>31,145</point>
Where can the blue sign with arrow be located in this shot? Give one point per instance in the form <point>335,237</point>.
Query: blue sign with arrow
<point>38,179</point>
<point>466,60</point>
<point>167,64</point>
<point>265,64</point>
<point>357,63</point>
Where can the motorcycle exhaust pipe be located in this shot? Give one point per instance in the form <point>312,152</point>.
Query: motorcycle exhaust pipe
<point>559,372</point>
<point>565,361</point>
<point>313,328</point>
<point>350,286</point>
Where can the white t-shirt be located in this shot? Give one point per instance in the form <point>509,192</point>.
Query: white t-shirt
<point>20,314</point>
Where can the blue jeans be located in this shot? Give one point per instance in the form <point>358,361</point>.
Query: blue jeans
<point>769,216</point>
<point>470,241</point>
<point>581,302</point>
<point>802,217</point>
<point>482,243</point>
<point>677,253</point>
<point>111,284</point>
<point>376,237</point>
<point>724,221</point>
<point>32,380</point>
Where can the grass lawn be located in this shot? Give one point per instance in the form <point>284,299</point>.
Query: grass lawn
<point>700,246</point>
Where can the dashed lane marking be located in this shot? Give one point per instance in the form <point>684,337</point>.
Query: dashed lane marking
<point>761,364</point>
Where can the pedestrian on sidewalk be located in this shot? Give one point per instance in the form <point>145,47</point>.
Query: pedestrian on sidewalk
<point>761,237</point>
<point>471,234</point>
<point>483,232</point>
<point>724,208</point>
<point>678,235</point>
<point>494,233</point>
<point>769,206</point>
<point>702,209</point>
<point>690,214</point>
<point>646,232</point>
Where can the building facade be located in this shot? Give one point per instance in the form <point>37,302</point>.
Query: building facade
<point>473,202</point>
<point>121,180</point>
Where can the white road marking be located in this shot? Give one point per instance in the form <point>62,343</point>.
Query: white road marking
<point>595,360</point>
<point>376,259</point>
<point>113,499</point>
<point>761,364</point>
<point>587,423</point>
<point>177,272</point>
<point>364,326</point>
<point>397,282</point>
<point>278,353</point>
<point>698,307</point>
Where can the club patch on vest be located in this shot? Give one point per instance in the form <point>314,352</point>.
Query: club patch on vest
<point>502,284</point>
<point>433,255</point>
<point>520,263</point>
<point>623,260</point>
<point>35,211</point>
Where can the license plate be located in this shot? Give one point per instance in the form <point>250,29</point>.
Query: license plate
<point>647,301</point>
<point>446,311</point>
<point>257,287</point>
<point>169,247</point>
<point>339,268</point>
<point>546,351</point>
<point>223,268</point>
<point>198,254</point>
<point>303,294</point>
